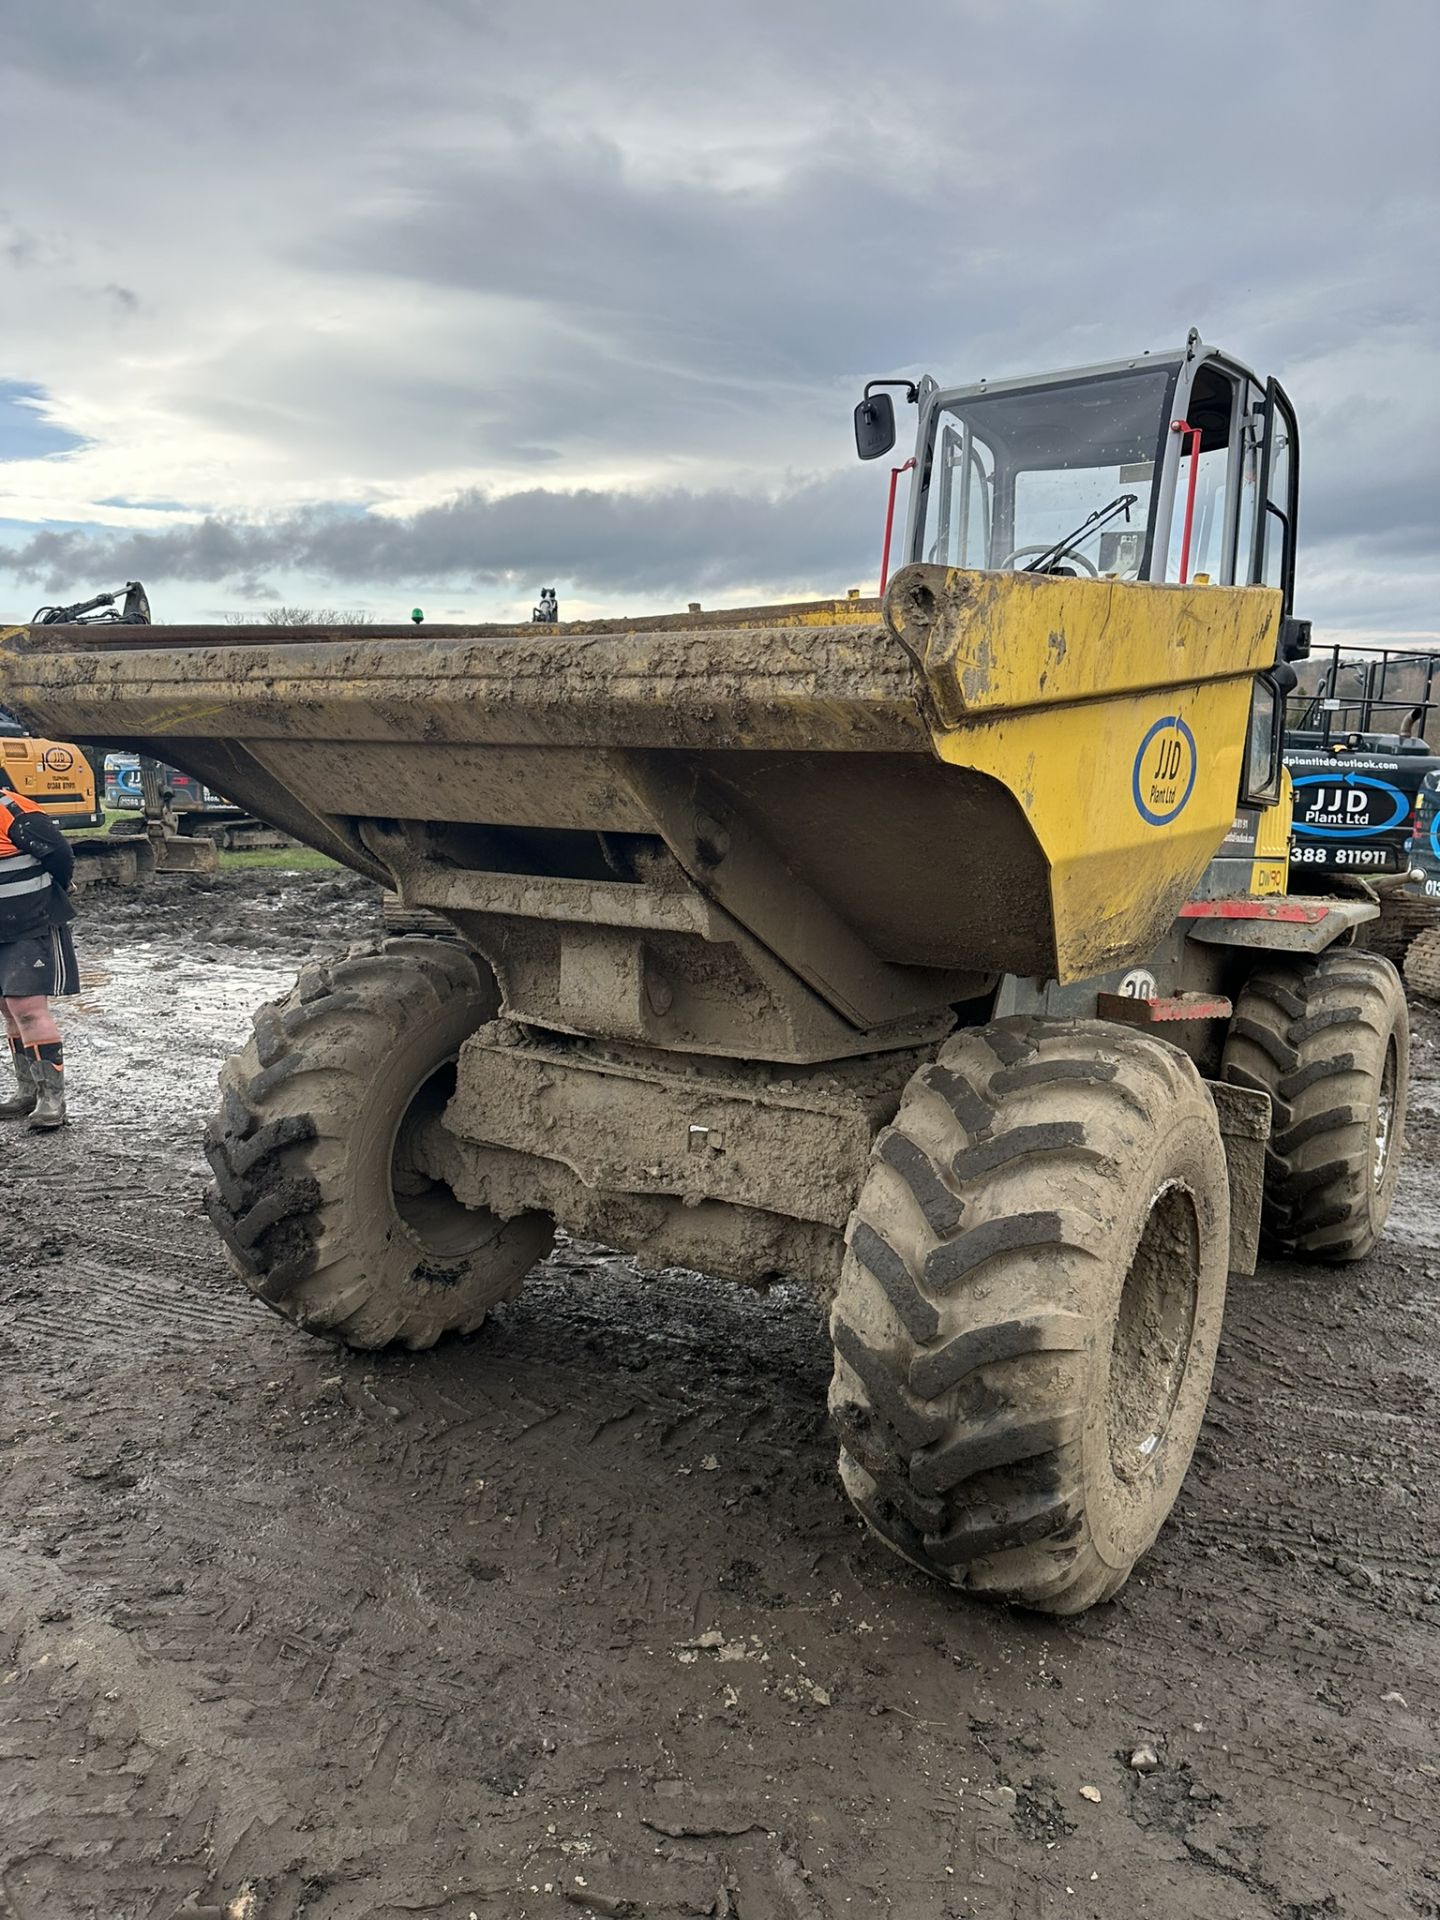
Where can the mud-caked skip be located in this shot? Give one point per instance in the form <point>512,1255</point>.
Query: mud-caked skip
<point>37,955</point>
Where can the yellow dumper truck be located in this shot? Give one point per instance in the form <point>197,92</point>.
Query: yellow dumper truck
<point>934,951</point>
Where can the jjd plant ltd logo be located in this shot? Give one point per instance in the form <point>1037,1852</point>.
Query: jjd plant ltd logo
<point>1163,776</point>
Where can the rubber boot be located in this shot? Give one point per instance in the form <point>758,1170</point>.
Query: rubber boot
<point>16,1105</point>
<point>47,1063</point>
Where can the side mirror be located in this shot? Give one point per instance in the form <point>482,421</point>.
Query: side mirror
<point>874,426</point>
<point>1294,638</point>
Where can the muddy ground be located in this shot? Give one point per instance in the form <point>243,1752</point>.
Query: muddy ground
<point>573,1617</point>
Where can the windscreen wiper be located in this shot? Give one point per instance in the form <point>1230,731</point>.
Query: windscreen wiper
<point>1122,504</point>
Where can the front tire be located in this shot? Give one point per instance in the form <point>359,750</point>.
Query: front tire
<point>1328,1040</point>
<point>1029,1308</point>
<point>318,1195</point>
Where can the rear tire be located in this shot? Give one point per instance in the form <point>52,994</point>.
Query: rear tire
<point>323,1210</point>
<point>1027,1316</point>
<point>1422,965</point>
<point>396,917</point>
<point>1403,917</point>
<point>1328,1039</point>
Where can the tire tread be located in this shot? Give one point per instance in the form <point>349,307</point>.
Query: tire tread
<point>278,1175</point>
<point>1313,1035</point>
<point>959,1350</point>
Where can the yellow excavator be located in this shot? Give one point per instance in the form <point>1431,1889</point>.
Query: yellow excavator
<point>68,780</point>
<point>55,773</point>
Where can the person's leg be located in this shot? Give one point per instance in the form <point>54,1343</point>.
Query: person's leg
<point>33,1021</point>
<point>41,1039</point>
<point>15,1106</point>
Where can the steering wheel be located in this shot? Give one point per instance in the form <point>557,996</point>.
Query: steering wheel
<point>1066,553</point>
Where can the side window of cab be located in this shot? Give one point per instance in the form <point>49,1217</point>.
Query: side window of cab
<point>1206,503</point>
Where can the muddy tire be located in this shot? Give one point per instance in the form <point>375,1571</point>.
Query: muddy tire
<point>396,917</point>
<point>316,1195</point>
<point>1403,918</point>
<point>1422,966</point>
<point>1328,1039</point>
<point>1027,1317</point>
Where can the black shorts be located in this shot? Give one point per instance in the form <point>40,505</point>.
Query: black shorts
<point>42,963</point>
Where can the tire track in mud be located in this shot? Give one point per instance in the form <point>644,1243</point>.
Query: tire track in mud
<point>125,1310</point>
<point>373,1635</point>
<point>165,1632</point>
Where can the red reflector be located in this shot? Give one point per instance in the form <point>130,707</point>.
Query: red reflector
<point>1304,911</point>
<point>1134,1012</point>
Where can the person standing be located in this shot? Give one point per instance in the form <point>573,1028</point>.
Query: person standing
<point>37,954</point>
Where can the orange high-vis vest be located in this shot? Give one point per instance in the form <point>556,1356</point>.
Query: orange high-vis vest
<point>12,803</point>
<point>27,892</point>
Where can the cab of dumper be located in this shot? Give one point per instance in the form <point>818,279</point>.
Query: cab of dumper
<point>1176,468</point>
<point>1173,469</point>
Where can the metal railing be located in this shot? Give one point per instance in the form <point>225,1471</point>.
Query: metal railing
<point>1370,688</point>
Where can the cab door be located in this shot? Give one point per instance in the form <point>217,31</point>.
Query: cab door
<point>1272,552</point>
<point>1274,511</point>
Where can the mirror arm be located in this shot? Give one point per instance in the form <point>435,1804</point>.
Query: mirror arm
<point>912,391</point>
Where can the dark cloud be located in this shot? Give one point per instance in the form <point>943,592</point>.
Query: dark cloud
<point>671,541</point>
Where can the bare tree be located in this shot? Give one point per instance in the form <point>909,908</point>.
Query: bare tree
<point>302,617</point>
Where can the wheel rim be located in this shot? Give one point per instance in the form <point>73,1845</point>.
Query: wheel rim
<point>1385,1112</point>
<point>444,1228</point>
<point>1153,1330</point>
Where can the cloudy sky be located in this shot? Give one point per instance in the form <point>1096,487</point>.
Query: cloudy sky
<point>377,303</point>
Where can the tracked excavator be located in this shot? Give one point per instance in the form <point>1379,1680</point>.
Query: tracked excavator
<point>168,806</point>
<point>1360,746</point>
<point>60,776</point>
<point>936,951</point>
<point>70,781</point>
